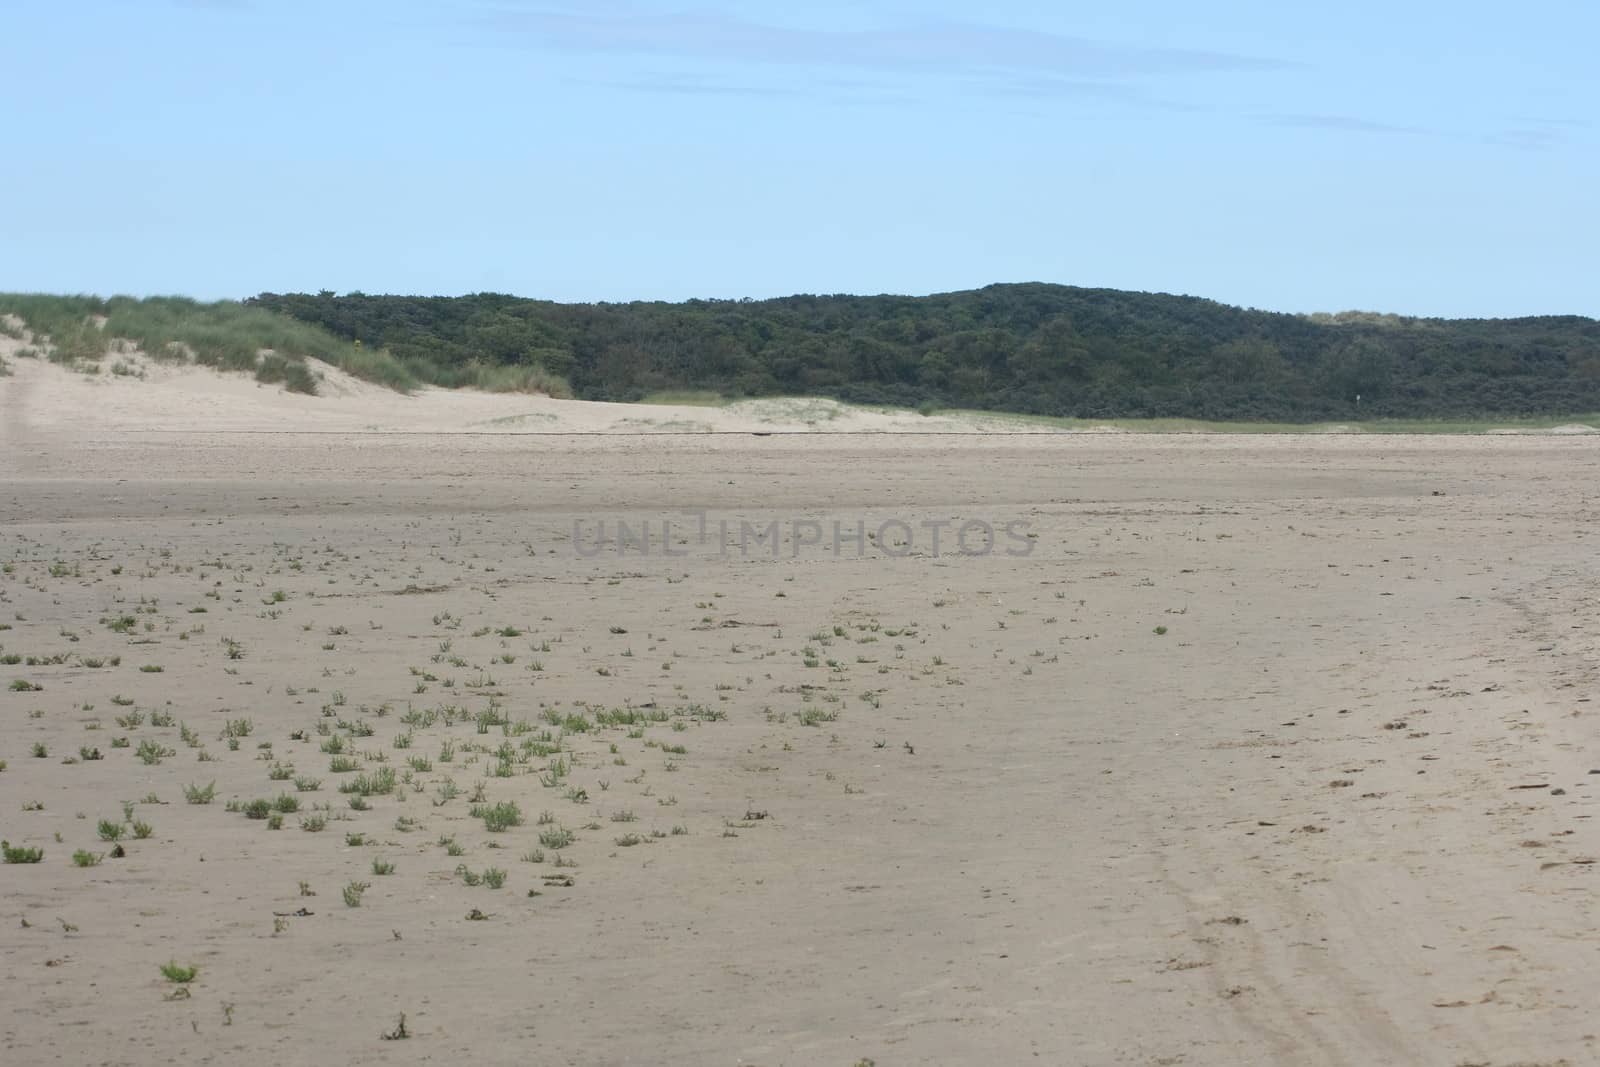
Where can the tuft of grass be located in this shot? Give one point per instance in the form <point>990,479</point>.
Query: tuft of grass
<point>557,837</point>
<point>498,817</point>
<point>257,809</point>
<point>352,893</point>
<point>152,752</point>
<point>195,794</point>
<point>20,854</point>
<point>379,783</point>
<point>173,972</point>
<point>84,858</point>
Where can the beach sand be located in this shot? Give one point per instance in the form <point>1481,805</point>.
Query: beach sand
<point>1226,750</point>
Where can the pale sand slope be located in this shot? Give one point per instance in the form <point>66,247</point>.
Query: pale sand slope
<point>187,397</point>
<point>1291,830</point>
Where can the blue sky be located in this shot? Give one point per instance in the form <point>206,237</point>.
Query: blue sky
<point>1424,158</point>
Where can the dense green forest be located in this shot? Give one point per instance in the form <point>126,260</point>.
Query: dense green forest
<point>1033,348</point>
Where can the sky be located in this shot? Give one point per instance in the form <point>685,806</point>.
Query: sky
<point>1413,157</point>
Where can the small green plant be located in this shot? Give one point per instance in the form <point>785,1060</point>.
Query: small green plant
<point>20,854</point>
<point>172,972</point>
<point>1160,631</point>
<point>382,867</point>
<point>84,858</point>
<point>494,877</point>
<point>556,837</point>
<point>498,817</point>
<point>379,783</point>
<point>352,893</point>
<point>151,752</point>
<point>257,809</point>
<point>109,831</point>
<point>195,794</point>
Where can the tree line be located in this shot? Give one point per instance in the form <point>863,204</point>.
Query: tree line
<point>1028,348</point>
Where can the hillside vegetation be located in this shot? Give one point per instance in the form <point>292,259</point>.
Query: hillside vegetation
<point>1034,349</point>
<point>82,331</point>
<point>1030,349</point>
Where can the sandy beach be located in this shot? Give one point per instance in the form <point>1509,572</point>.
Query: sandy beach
<point>1170,750</point>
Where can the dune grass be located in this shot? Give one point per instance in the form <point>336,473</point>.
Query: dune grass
<point>80,331</point>
<point>692,398</point>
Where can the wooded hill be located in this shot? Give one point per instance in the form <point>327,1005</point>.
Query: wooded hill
<point>1032,348</point>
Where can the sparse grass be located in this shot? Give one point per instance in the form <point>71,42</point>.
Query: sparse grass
<point>352,893</point>
<point>498,817</point>
<point>20,853</point>
<point>257,809</point>
<point>379,783</point>
<point>225,335</point>
<point>686,398</point>
<point>557,837</point>
<point>151,752</point>
<point>173,972</point>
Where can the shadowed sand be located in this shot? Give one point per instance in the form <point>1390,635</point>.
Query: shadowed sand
<point>912,806</point>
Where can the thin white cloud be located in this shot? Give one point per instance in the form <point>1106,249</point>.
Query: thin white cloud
<point>939,48</point>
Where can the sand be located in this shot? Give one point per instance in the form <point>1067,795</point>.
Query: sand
<point>1232,750</point>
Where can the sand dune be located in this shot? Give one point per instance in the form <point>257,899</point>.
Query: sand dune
<point>161,396</point>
